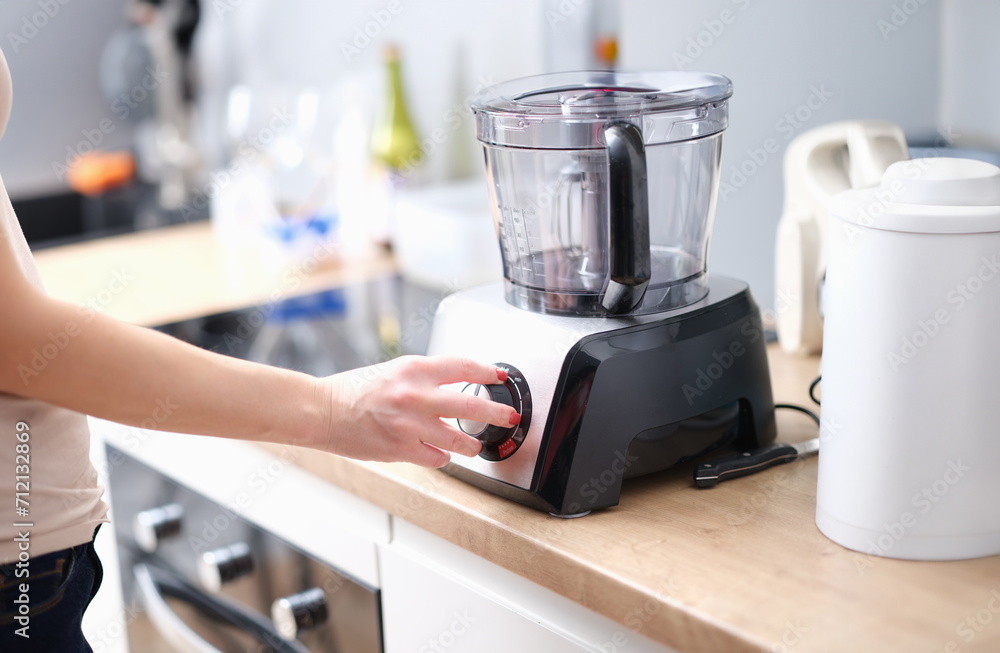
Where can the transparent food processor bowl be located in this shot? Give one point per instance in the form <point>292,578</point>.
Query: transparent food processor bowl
<point>553,187</point>
<point>554,236</point>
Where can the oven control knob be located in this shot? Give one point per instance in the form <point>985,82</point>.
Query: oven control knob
<point>218,567</point>
<point>497,392</point>
<point>299,612</point>
<point>151,526</point>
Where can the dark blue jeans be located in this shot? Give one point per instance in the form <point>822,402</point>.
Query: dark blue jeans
<point>60,587</point>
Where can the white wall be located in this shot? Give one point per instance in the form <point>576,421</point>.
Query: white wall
<point>779,54</point>
<point>970,94</point>
<point>849,59</point>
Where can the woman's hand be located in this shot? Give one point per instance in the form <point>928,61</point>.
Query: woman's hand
<point>392,411</point>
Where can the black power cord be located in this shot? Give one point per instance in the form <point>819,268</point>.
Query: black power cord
<point>812,395</point>
<point>812,388</point>
<point>800,409</point>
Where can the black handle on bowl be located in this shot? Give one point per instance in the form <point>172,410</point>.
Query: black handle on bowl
<point>628,216</point>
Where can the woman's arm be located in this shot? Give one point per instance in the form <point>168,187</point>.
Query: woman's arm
<point>141,377</point>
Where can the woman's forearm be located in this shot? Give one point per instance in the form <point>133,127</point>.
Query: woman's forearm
<point>93,364</point>
<point>52,351</point>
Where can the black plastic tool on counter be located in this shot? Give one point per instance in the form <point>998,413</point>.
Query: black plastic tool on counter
<point>750,462</point>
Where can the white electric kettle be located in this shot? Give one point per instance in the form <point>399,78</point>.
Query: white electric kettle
<point>910,464</point>
<point>819,164</point>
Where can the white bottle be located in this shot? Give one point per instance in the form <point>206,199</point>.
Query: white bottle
<point>910,462</point>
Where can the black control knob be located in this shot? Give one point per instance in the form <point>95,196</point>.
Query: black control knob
<point>299,612</point>
<point>152,526</point>
<point>489,433</point>
<point>215,568</point>
<point>500,442</point>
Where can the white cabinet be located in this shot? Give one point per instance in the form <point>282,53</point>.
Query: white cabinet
<point>437,597</point>
<point>426,611</point>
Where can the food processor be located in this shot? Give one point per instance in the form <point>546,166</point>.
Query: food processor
<point>624,357</point>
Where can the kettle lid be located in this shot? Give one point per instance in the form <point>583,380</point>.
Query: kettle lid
<point>938,195</point>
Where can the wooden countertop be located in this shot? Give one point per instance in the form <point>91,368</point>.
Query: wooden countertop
<point>178,273</point>
<point>739,567</point>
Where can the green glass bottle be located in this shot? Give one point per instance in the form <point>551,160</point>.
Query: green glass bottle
<point>394,139</point>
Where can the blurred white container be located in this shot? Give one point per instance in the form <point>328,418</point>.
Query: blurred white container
<point>444,236</point>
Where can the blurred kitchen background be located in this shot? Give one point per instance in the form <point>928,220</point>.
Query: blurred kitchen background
<point>186,100</point>
<point>132,115</point>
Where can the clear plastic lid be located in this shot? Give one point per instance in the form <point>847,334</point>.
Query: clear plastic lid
<point>569,110</point>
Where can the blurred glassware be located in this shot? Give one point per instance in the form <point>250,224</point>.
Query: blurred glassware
<point>278,195</point>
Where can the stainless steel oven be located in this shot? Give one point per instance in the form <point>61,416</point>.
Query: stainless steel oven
<point>196,576</point>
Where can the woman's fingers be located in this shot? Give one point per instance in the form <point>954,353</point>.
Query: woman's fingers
<point>451,439</point>
<point>442,370</point>
<point>465,405</point>
<point>426,455</point>
<point>444,438</point>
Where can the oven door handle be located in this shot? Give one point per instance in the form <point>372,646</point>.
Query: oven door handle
<point>154,584</point>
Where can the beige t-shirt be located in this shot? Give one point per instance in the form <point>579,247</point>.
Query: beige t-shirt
<point>59,504</point>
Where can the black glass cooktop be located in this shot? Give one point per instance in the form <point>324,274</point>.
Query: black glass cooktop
<point>324,333</point>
